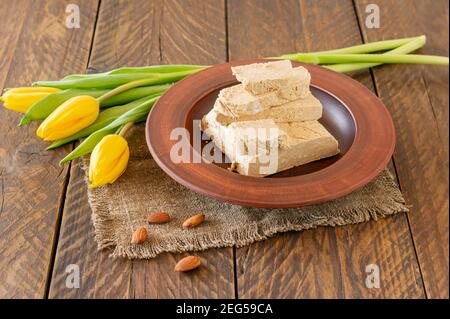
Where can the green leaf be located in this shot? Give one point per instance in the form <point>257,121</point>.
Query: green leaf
<point>135,94</point>
<point>104,118</point>
<point>169,68</point>
<point>109,81</point>
<point>44,107</point>
<point>134,115</point>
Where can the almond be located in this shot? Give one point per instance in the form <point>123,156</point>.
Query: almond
<point>158,218</point>
<point>139,236</point>
<point>194,221</point>
<point>188,263</point>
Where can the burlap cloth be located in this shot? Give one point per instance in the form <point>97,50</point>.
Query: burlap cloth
<point>117,210</point>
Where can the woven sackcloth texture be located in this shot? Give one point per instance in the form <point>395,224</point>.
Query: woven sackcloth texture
<point>118,209</point>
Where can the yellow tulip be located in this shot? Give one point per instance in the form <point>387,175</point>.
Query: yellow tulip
<point>20,99</point>
<point>109,159</point>
<point>70,117</point>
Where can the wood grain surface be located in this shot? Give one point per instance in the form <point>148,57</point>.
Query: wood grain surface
<point>45,222</point>
<point>35,44</point>
<point>143,33</point>
<point>417,97</point>
<point>329,262</point>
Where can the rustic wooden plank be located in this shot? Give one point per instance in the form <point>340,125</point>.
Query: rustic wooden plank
<point>76,246</point>
<point>143,33</point>
<point>325,262</point>
<point>11,24</point>
<point>417,97</point>
<point>35,44</point>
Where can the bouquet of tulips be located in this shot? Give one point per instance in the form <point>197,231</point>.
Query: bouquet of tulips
<point>101,107</point>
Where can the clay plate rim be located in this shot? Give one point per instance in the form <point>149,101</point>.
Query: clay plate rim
<point>369,154</point>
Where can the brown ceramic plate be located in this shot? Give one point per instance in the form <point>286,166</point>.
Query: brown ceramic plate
<point>357,118</point>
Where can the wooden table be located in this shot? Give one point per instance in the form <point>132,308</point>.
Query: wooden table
<point>45,220</point>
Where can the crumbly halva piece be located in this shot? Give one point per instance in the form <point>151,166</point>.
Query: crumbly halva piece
<point>243,138</point>
<point>306,142</point>
<point>237,101</point>
<point>306,109</point>
<point>295,144</point>
<point>256,137</point>
<point>279,76</point>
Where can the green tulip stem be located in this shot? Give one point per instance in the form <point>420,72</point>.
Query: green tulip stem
<point>122,88</point>
<point>124,130</point>
<point>169,77</point>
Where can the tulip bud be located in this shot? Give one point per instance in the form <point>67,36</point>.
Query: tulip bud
<point>109,159</point>
<point>69,118</point>
<point>21,99</point>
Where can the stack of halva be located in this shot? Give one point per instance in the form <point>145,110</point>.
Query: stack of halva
<point>268,122</point>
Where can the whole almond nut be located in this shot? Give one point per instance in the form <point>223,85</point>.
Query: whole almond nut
<point>139,236</point>
<point>158,218</point>
<point>194,221</point>
<point>188,263</point>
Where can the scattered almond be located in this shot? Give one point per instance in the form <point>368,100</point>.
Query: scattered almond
<point>139,236</point>
<point>158,218</point>
<point>232,167</point>
<point>188,263</point>
<point>194,221</point>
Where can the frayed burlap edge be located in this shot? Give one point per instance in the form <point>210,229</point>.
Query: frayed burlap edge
<point>106,236</point>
